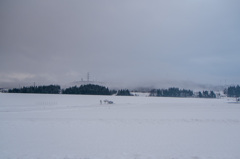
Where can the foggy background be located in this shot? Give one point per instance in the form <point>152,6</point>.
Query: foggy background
<point>128,43</point>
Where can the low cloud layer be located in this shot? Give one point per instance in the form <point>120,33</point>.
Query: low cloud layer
<point>122,42</point>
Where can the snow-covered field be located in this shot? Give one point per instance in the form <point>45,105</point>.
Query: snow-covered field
<point>78,127</point>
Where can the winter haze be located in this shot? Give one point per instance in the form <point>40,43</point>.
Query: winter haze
<point>128,42</point>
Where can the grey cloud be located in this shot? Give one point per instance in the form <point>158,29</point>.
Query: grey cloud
<point>132,41</point>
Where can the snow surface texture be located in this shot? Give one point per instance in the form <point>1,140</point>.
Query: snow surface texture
<point>79,127</point>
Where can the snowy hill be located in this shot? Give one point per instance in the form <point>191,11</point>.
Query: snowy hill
<point>34,126</point>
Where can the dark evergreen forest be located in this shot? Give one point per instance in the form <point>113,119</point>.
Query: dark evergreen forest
<point>51,89</point>
<point>176,92</point>
<point>87,89</point>
<point>206,94</point>
<point>91,89</point>
<point>124,92</point>
<point>171,92</point>
<point>233,91</point>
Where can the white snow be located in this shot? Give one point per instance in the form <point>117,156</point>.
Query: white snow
<point>140,94</point>
<point>78,127</point>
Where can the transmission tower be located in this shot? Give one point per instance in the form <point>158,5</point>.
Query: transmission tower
<point>88,77</point>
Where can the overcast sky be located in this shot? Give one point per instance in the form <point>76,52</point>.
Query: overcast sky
<point>128,42</point>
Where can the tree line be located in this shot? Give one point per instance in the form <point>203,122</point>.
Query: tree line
<point>124,92</point>
<point>176,92</point>
<point>233,91</point>
<point>91,89</point>
<point>206,94</point>
<point>51,89</point>
<point>171,92</point>
<point>87,89</point>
